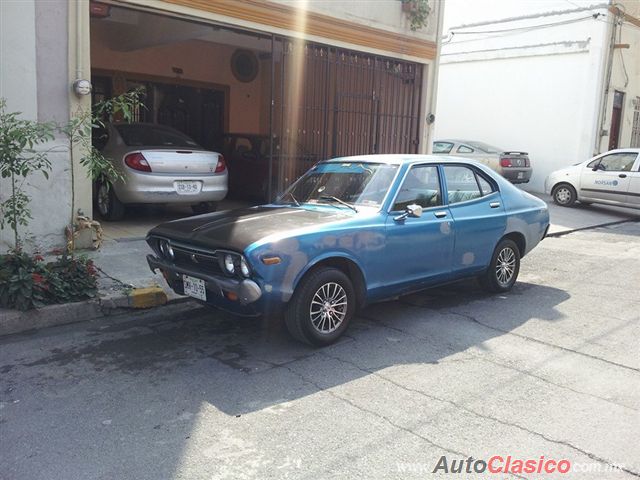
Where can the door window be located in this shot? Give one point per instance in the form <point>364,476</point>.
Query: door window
<point>461,184</point>
<point>616,162</point>
<point>421,186</point>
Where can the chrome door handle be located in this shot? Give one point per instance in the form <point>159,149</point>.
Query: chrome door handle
<point>494,204</point>
<point>440,214</point>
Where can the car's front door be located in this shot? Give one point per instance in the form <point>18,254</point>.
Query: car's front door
<point>607,177</point>
<point>480,221</point>
<point>633,194</point>
<point>418,249</point>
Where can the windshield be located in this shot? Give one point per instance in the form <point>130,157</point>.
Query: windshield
<point>141,135</point>
<point>485,147</point>
<point>356,183</point>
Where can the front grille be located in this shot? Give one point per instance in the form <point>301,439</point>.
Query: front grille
<point>194,259</point>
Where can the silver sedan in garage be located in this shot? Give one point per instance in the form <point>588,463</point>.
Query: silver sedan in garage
<point>159,165</point>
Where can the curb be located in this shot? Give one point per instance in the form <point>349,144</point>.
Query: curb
<point>15,321</point>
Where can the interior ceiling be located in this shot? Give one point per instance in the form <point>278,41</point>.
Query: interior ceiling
<point>127,30</point>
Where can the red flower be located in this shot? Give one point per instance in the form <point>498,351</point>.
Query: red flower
<point>38,258</point>
<point>37,278</point>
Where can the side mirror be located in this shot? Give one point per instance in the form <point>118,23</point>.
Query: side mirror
<point>412,210</point>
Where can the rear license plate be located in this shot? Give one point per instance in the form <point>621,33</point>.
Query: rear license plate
<point>194,287</point>
<point>520,174</point>
<point>187,187</point>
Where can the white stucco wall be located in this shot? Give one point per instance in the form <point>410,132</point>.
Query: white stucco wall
<point>531,89</point>
<point>22,70</point>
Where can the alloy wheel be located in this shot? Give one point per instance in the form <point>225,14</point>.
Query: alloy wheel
<point>505,266</point>
<point>328,307</point>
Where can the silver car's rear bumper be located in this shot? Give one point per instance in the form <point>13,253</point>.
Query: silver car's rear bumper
<point>516,174</point>
<point>161,188</point>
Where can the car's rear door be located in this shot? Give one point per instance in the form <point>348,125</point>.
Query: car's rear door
<point>418,250</point>
<point>607,177</point>
<point>478,214</point>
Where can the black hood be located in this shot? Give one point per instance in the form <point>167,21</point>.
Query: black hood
<point>237,229</point>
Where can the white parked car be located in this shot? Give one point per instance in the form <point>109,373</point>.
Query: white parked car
<point>612,178</point>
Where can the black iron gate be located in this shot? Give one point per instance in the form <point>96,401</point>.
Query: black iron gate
<point>331,102</point>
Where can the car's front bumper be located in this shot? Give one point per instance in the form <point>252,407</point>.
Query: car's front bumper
<point>220,290</point>
<point>517,174</point>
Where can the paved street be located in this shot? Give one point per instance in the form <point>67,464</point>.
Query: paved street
<point>552,368</point>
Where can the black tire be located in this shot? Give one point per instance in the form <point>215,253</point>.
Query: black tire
<point>564,195</point>
<point>204,207</point>
<point>503,269</point>
<point>109,206</point>
<point>299,318</point>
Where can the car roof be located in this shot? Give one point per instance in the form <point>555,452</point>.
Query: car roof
<point>402,159</point>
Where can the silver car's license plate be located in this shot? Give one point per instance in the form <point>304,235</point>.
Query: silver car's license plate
<point>187,187</point>
<point>194,287</point>
<point>520,174</point>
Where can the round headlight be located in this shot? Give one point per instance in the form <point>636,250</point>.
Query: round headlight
<point>228,263</point>
<point>244,268</point>
<point>166,250</point>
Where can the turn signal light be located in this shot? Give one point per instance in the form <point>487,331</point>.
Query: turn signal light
<point>232,296</point>
<point>221,164</point>
<point>271,260</point>
<point>137,162</point>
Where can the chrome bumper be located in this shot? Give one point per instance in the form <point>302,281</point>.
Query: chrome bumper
<point>247,290</point>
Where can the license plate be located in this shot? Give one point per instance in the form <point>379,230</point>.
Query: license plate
<point>188,187</point>
<point>520,174</point>
<point>194,287</point>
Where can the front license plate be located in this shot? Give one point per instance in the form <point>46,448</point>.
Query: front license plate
<point>187,187</point>
<point>194,287</point>
<point>520,174</point>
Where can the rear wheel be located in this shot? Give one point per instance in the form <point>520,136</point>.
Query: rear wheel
<point>503,269</point>
<point>109,206</point>
<point>203,207</point>
<point>564,195</point>
<point>321,307</point>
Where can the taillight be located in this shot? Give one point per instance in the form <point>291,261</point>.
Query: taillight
<point>221,164</point>
<point>137,162</point>
<point>526,162</point>
<point>505,162</point>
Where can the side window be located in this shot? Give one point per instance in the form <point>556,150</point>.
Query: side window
<point>618,162</point>
<point>485,186</point>
<point>442,147</point>
<point>465,149</point>
<point>421,186</point>
<point>593,163</point>
<point>461,184</point>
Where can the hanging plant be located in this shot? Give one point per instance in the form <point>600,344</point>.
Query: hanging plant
<point>417,11</point>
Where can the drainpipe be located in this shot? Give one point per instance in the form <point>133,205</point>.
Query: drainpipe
<point>606,87</point>
<point>434,80</point>
<point>79,70</point>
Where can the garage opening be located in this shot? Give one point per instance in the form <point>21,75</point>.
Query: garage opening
<point>273,106</point>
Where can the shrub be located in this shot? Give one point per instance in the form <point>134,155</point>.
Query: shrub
<point>27,281</point>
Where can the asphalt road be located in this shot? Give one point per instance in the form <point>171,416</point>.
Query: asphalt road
<point>551,369</point>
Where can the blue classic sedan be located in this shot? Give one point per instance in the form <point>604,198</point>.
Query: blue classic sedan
<point>353,231</point>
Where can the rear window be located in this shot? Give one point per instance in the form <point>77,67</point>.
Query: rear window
<point>137,135</point>
<point>485,147</point>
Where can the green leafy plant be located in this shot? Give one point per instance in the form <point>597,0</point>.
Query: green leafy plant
<point>26,281</point>
<point>418,12</point>
<point>19,158</point>
<point>78,131</point>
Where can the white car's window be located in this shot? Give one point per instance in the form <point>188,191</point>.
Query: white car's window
<point>464,149</point>
<point>617,162</point>
<point>442,147</point>
<point>421,186</point>
<point>461,184</point>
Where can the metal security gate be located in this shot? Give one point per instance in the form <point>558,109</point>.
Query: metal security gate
<point>331,102</point>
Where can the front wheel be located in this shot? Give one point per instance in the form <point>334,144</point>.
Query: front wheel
<point>564,195</point>
<point>321,307</point>
<point>503,269</point>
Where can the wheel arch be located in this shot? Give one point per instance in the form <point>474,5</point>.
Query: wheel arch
<point>346,265</point>
<point>519,239</point>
